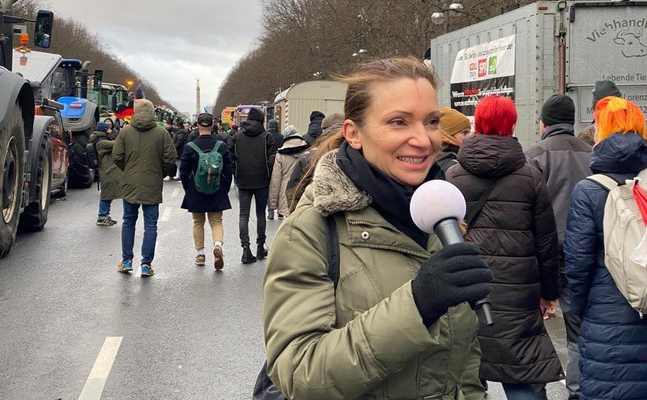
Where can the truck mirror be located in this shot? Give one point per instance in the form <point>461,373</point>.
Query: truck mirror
<point>44,27</point>
<point>98,78</point>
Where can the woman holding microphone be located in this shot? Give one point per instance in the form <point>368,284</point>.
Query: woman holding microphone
<point>398,325</point>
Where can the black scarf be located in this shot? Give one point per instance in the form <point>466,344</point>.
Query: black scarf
<point>390,198</point>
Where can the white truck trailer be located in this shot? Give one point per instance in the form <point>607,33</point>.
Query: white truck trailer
<point>294,105</point>
<point>545,48</point>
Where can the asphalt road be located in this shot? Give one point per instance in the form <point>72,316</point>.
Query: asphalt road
<point>69,323</point>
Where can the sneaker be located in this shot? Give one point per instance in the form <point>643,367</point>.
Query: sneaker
<point>125,266</point>
<point>104,221</point>
<point>218,262</point>
<point>111,221</point>
<point>281,216</point>
<point>248,257</point>
<point>147,270</point>
<point>261,251</point>
<point>270,215</point>
<point>200,259</point>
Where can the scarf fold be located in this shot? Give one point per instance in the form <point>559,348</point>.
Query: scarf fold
<point>390,198</point>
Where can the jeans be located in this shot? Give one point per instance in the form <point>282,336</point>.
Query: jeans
<point>522,391</point>
<point>215,221</point>
<point>131,212</point>
<point>104,208</point>
<point>260,198</point>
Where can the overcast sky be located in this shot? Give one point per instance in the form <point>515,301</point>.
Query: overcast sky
<point>172,42</point>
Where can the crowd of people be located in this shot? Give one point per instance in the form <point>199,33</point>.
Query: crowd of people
<point>397,321</point>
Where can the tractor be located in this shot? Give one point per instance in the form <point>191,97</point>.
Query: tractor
<point>25,144</point>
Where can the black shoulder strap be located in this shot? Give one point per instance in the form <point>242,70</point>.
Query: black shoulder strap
<point>333,249</point>
<point>264,389</point>
<point>470,218</point>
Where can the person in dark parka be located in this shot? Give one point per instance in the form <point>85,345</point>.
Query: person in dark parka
<point>314,129</point>
<point>109,175</point>
<point>200,204</point>
<point>563,161</point>
<point>613,338</point>
<point>517,236</point>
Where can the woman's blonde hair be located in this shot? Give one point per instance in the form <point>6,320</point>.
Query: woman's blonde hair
<point>359,99</point>
<point>617,115</point>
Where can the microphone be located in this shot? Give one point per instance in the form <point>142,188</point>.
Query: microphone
<point>436,207</point>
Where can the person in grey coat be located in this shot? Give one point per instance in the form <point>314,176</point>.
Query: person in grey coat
<point>563,160</point>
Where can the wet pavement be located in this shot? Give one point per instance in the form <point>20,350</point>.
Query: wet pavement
<point>72,327</point>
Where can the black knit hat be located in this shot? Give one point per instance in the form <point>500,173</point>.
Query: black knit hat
<point>604,89</point>
<point>558,109</point>
<point>256,115</point>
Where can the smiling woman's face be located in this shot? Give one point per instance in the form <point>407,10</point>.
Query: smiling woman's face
<point>401,134</point>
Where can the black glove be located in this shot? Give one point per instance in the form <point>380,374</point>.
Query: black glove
<point>448,278</point>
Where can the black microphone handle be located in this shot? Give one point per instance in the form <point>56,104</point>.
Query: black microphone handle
<point>448,232</point>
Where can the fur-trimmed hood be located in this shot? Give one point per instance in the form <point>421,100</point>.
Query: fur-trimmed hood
<point>333,191</point>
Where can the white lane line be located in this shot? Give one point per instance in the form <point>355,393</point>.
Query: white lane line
<point>99,375</point>
<point>176,192</point>
<point>167,214</point>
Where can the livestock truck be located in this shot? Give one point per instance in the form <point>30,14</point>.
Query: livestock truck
<point>541,49</point>
<point>25,145</point>
<point>294,105</point>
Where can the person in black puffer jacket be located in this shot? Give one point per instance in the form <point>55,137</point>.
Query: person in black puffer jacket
<point>314,129</point>
<point>252,149</point>
<point>613,338</point>
<point>518,238</point>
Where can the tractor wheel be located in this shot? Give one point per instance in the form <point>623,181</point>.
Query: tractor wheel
<point>12,154</point>
<point>81,176</point>
<point>34,217</point>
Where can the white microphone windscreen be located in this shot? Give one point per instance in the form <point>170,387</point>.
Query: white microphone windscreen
<point>435,201</point>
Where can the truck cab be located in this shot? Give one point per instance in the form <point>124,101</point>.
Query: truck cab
<point>47,81</point>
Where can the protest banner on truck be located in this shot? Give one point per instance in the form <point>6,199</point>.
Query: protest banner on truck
<point>482,70</point>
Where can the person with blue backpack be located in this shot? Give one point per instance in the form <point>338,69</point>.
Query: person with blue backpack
<point>206,171</point>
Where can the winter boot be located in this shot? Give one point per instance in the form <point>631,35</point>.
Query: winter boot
<point>248,257</point>
<point>261,251</point>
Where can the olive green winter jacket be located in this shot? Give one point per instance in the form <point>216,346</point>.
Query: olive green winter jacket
<point>110,176</point>
<point>146,154</point>
<point>368,340</point>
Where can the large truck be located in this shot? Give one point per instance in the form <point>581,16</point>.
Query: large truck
<point>541,49</point>
<point>294,105</point>
<point>25,145</point>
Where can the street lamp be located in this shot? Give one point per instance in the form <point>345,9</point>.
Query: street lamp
<point>442,17</point>
<point>130,83</point>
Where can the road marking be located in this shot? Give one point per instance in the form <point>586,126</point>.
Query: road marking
<point>176,192</point>
<point>99,375</point>
<point>167,214</point>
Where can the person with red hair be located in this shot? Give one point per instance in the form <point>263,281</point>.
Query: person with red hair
<point>613,336</point>
<point>511,219</point>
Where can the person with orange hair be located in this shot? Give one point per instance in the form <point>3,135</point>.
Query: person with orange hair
<point>613,337</point>
<point>510,217</point>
